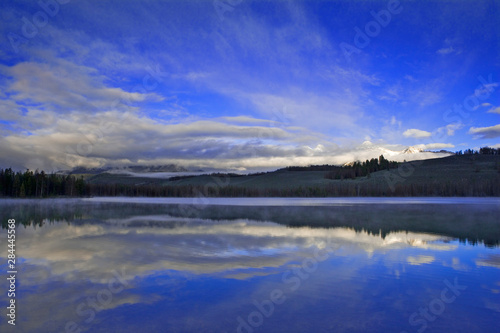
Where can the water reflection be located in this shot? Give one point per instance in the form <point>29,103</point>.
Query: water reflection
<point>154,243</point>
<point>471,221</point>
<point>111,267</point>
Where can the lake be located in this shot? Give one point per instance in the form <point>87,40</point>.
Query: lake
<point>253,265</point>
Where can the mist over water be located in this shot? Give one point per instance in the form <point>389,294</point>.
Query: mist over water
<point>283,265</point>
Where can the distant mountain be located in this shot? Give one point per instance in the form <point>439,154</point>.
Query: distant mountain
<point>367,146</point>
<point>348,164</point>
<point>478,175</point>
<point>369,150</point>
<point>154,168</point>
<point>366,151</point>
<point>412,150</point>
<point>129,169</point>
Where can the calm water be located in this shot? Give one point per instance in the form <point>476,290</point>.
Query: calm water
<point>254,265</point>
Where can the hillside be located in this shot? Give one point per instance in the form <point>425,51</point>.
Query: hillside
<point>456,175</point>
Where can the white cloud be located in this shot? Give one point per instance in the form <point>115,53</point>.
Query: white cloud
<point>249,237</point>
<point>120,139</point>
<point>482,105</point>
<point>247,120</point>
<point>494,110</point>
<point>115,138</point>
<point>434,146</point>
<point>416,133</point>
<point>420,259</point>
<point>485,132</point>
<point>489,260</point>
<point>451,128</point>
<point>66,87</point>
<point>293,106</point>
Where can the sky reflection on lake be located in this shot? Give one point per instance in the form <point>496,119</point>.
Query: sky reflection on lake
<point>115,267</point>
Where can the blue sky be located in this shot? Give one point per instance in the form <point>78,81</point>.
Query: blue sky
<point>244,84</point>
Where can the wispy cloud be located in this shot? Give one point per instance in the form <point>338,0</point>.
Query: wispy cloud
<point>65,87</point>
<point>159,83</point>
<point>450,129</point>
<point>494,110</point>
<point>446,50</point>
<point>485,132</point>
<point>449,47</point>
<point>486,89</point>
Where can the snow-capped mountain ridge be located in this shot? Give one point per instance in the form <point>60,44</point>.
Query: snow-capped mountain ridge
<point>412,150</point>
<point>368,150</point>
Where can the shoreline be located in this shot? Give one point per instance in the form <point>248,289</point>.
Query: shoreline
<point>269,201</point>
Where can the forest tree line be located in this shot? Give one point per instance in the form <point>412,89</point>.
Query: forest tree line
<point>361,169</point>
<point>39,184</point>
<point>36,184</point>
<point>348,171</point>
<point>481,151</point>
<point>462,187</point>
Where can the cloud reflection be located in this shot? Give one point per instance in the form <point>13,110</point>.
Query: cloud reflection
<point>144,244</point>
<point>170,261</point>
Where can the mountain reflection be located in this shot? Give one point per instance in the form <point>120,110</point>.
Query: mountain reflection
<point>143,244</point>
<point>471,223</point>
